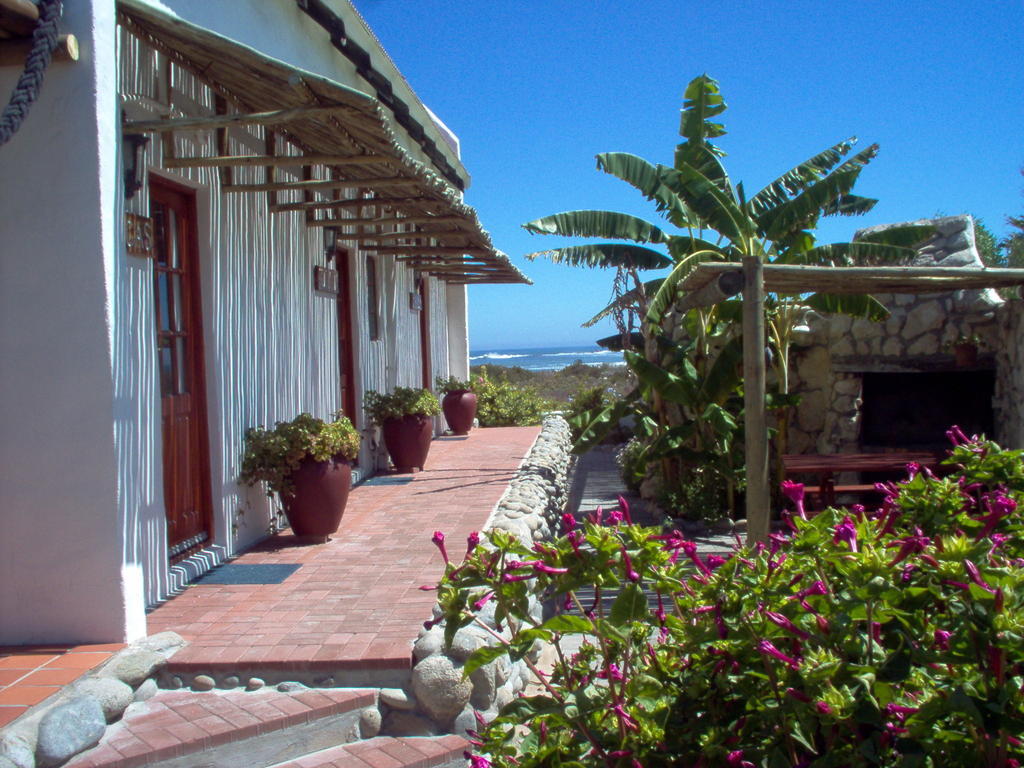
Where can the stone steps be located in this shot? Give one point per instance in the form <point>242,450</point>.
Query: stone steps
<point>390,751</point>
<point>233,729</point>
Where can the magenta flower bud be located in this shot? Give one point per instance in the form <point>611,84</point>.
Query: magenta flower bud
<point>631,574</point>
<point>438,539</point>
<point>540,567</point>
<point>823,625</point>
<point>714,561</point>
<point>576,538</point>
<point>798,695</point>
<point>795,493</point>
<point>477,761</point>
<point>615,517</point>
<point>779,620</point>
<point>736,758</point>
<point>846,531</point>
<point>823,707</point>
<point>627,722</point>
<point>428,587</point>
<point>568,522</point>
<point>768,649</point>
<point>508,578</point>
<point>956,436</point>
<point>596,516</point>
<point>909,546</point>
<point>472,541</point>
<point>624,508</point>
<point>483,601</point>
<point>942,639</point>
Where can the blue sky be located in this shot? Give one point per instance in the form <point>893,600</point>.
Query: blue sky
<point>535,89</point>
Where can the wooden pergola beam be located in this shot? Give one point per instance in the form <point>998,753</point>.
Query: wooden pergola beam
<point>415,250</point>
<point>210,122</point>
<point>318,185</point>
<point>359,202</point>
<point>14,52</point>
<point>399,235</point>
<point>276,161</point>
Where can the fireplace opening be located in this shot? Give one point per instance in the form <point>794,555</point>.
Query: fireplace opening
<point>911,411</point>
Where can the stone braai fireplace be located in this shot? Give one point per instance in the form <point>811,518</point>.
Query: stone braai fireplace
<point>895,385</point>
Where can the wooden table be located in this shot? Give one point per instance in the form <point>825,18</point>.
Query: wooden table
<point>827,465</point>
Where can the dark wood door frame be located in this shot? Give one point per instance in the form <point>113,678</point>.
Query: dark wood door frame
<point>428,382</point>
<point>181,371</point>
<point>346,351</point>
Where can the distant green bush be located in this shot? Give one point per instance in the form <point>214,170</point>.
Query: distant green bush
<point>501,404</point>
<point>582,403</point>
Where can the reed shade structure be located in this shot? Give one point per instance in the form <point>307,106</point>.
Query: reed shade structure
<point>711,282</point>
<point>377,193</point>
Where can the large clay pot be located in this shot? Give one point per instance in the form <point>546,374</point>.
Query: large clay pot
<point>965,355</point>
<point>321,492</point>
<point>408,441</point>
<point>459,407</point>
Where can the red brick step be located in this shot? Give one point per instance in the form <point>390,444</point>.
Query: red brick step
<point>389,752</point>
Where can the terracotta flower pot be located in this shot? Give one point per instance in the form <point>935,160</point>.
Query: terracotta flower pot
<point>965,355</point>
<point>321,492</point>
<point>459,410</point>
<point>408,441</point>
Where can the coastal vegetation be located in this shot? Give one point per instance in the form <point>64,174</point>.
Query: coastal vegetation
<point>889,637</point>
<point>688,410</point>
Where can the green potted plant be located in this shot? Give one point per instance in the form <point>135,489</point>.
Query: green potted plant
<point>306,463</point>
<point>458,403</point>
<point>404,418</point>
<point>965,349</point>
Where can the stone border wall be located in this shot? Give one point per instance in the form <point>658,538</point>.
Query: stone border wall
<point>530,509</point>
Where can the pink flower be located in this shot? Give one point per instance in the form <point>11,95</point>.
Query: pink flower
<point>736,758</point>
<point>942,639</point>
<point>823,707</point>
<point>477,761</point>
<point>631,573</point>
<point>624,507</point>
<point>483,601</point>
<point>846,531</point>
<point>438,539</point>
<point>611,673</point>
<point>471,542</point>
<point>795,493</point>
<point>596,516</point>
<point>541,567</point>
<point>615,517</point>
<point>956,436</point>
<point>779,620</point>
<point>768,649</point>
<point>568,522</point>
<point>627,722</point>
<point>909,546</point>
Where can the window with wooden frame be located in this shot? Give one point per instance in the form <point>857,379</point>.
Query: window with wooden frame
<point>372,310</point>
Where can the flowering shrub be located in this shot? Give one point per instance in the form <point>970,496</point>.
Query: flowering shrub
<point>502,404</point>
<point>885,637</point>
<point>401,401</point>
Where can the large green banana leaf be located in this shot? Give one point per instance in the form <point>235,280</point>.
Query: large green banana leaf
<point>605,255</point>
<point>618,226</point>
<point>862,306</point>
<point>908,236</point>
<point>667,292</point>
<point>702,100</point>
<point>717,209</point>
<point>649,179</point>
<point>859,253</point>
<point>629,299</point>
<point>796,179</point>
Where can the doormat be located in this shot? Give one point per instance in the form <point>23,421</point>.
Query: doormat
<point>237,573</point>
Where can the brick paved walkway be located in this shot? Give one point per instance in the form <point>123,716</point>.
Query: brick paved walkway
<point>353,608</point>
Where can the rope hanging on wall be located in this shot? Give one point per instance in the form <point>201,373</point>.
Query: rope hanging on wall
<point>44,41</point>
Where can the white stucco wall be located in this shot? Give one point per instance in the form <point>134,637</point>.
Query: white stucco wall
<point>63,571</point>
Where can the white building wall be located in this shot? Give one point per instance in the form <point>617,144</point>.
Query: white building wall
<point>65,570</point>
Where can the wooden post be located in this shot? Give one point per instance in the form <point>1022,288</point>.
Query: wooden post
<point>758,496</point>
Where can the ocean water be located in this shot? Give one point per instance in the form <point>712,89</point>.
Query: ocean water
<point>545,358</point>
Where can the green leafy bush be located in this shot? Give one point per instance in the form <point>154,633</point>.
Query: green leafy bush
<point>451,384</point>
<point>402,401</point>
<point>582,404</point>
<point>500,404</point>
<point>272,454</point>
<point>886,638</point>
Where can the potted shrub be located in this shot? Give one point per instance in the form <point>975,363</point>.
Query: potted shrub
<point>404,418</point>
<point>306,462</point>
<point>965,350</point>
<point>458,404</point>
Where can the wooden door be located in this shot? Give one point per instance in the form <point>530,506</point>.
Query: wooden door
<point>428,382</point>
<point>180,363</point>
<point>346,355</point>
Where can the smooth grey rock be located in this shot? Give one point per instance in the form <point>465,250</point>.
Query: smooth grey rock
<point>112,695</point>
<point>466,721</point>
<point>369,723</point>
<point>926,316</point>
<point>814,368</point>
<point>324,682</point>
<point>254,684</point>
<point>466,640</point>
<point>203,683</point>
<point>176,683</point>
<point>132,667</point>
<point>19,749</point>
<point>811,413</point>
<point>440,688</point>
<point>485,687</point>
<point>8,763</point>
<point>407,724</point>
<point>165,643</point>
<point>892,347</point>
<point>398,699</point>
<point>147,690</point>
<point>68,729</point>
<point>429,644</point>
<point>927,344</point>
<point>291,686</point>
<point>231,681</point>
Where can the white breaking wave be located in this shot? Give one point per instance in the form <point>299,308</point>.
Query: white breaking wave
<point>578,354</point>
<point>495,356</point>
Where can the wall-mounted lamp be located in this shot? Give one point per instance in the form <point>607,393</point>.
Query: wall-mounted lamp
<point>330,242</point>
<point>131,155</point>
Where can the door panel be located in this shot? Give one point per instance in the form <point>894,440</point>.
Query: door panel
<point>180,355</point>
<point>346,355</point>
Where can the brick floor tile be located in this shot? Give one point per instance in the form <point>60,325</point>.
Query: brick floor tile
<point>77,660</point>
<point>27,694</point>
<point>371,753</point>
<point>47,676</point>
<point>8,676</point>
<point>25,660</point>
<point>9,713</point>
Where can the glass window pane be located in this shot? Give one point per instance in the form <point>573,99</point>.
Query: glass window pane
<point>159,232</point>
<point>179,320</point>
<point>161,300</point>
<point>166,368</point>
<point>182,360</point>
<point>172,229</point>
